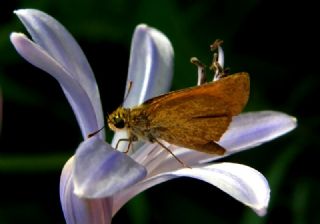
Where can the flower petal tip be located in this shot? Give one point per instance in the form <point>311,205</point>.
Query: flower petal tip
<point>16,37</point>
<point>142,26</point>
<point>261,212</point>
<point>18,11</point>
<point>21,12</point>
<point>20,41</point>
<point>294,120</point>
<point>24,12</point>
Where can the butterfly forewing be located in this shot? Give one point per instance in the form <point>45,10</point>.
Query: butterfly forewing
<point>197,117</point>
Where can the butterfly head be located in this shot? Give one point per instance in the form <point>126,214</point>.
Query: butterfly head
<point>118,120</point>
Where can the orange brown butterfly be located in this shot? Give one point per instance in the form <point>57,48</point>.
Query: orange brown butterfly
<point>193,118</point>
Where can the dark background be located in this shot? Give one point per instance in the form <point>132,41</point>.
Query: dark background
<point>275,42</point>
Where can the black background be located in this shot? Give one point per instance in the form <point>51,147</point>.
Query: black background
<point>276,42</point>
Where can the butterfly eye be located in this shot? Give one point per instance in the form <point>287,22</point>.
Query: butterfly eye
<point>119,122</point>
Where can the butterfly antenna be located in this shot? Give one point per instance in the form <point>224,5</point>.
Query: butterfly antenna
<point>95,132</point>
<point>128,91</point>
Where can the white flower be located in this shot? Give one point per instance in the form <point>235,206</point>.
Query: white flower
<point>99,180</point>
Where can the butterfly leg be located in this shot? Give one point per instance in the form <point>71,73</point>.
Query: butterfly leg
<point>130,140</point>
<point>123,140</point>
<point>168,150</point>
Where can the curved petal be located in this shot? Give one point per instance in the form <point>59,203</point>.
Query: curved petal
<point>78,210</point>
<point>243,183</point>
<point>254,128</point>
<point>150,70</point>
<point>150,65</point>
<point>101,171</point>
<point>60,45</point>
<point>76,95</point>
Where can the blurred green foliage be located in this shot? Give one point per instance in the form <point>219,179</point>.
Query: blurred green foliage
<point>265,38</point>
